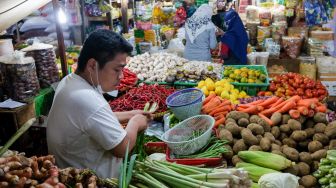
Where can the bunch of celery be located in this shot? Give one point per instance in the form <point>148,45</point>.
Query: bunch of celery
<point>158,174</point>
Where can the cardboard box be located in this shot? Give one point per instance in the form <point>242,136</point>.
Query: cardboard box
<point>330,77</point>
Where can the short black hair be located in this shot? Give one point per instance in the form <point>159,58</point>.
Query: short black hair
<point>102,45</point>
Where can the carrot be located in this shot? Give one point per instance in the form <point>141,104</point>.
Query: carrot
<point>294,114</point>
<point>270,122</point>
<point>251,110</point>
<point>274,109</point>
<point>220,116</point>
<point>321,108</point>
<point>257,102</point>
<point>268,102</point>
<point>288,106</point>
<point>221,109</point>
<point>220,121</point>
<point>209,98</point>
<point>311,113</point>
<point>260,108</point>
<point>280,100</point>
<point>294,98</point>
<point>212,103</point>
<point>240,108</point>
<point>309,103</point>
<point>303,110</point>
<point>209,110</point>
<point>221,113</point>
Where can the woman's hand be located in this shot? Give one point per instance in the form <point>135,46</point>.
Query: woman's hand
<point>219,32</point>
<point>141,112</point>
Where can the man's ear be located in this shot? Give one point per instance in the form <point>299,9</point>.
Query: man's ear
<point>91,65</point>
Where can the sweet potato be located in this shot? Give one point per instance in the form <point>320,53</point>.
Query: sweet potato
<point>275,147</point>
<point>224,134</point>
<point>320,127</point>
<point>332,144</point>
<point>330,130</point>
<point>269,136</point>
<point>317,155</point>
<point>276,118</point>
<point>308,181</point>
<point>284,128</point>
<point>314,146</point>
<point>248,137</point>
<point>294,124</point>
<point>321,138</point>
<point>320,117</point>
<point>256,129</point>
<point>237,115</point>
<point>305,157</point>
<point>299,135</point>
<point>265,144</point>
<point>255,148</point>
<point>310,132</point>
<point>275,131</point>
<point>243,122</point>
<point>304,169</point>
<point>289,142</point>
<point>239,146</point>
<point>291,153</point>
<point>285,118</point>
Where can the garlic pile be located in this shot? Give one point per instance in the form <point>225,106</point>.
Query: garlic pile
<point>194,71</point>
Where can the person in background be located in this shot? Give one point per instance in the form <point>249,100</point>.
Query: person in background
<point>234,41</point>
<point>200,35</point>
<point>219,18</point>
<point>190,7</point>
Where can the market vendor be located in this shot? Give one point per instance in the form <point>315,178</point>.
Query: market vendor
<point>82,130</point>
<point>200,35</point>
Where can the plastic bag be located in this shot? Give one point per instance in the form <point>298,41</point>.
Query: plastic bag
<point>292,46</point>
<point>176,46</point>
<point>37,22</point>
<point>252,13</point>
<point>263,33</point>
<point>273,49</point>
<point>278,30</point>
<point>252,58</point>
<point>252,28</point>
<point>278,180</point>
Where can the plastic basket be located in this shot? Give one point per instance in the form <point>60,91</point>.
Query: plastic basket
<point>183,85</point>
<point>180,138</point>
<point>251,88</point>
<point>185,103</point>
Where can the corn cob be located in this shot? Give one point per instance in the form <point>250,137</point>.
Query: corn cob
<point>254,171</point>
<point>255,185</point>
<point>265,159</point>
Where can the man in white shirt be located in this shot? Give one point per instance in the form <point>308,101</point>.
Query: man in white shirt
<point>82,130</point>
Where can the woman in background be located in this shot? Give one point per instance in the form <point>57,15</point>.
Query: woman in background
<point>200,35</point>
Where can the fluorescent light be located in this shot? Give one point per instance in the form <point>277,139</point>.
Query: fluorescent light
<point>61,16</point>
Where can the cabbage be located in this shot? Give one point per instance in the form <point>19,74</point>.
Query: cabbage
<point>278,180</point>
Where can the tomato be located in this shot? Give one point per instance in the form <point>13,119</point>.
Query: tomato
<point>261,93</point>
<point>308,93</point>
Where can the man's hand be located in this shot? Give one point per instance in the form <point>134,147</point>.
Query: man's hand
<point>140,121</point>
<point>141,112</point>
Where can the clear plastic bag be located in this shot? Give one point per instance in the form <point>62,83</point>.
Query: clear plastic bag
<point>278,30</point>
<point>252,28</point>
<point>252,13</point>
<point>273,49</point>
<point>263,33</point>
<point>292,46</point>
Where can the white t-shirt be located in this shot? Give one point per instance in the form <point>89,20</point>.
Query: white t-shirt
<point>82,129</point>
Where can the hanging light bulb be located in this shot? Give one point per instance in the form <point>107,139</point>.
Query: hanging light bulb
<point>61,16</point>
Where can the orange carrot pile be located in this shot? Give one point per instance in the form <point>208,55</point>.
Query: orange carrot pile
<point>217,108</point>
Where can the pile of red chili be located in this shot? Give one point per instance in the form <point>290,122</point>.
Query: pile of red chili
<point>136,98</point>
<point>130,79</point>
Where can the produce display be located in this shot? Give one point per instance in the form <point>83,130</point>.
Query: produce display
<point>221,88</point>
<point>291,84</point>
<point>326,173</point>
<point>244,75</point>
<point>194,71</point>
<point>129,80</point>
<point>136,98</point>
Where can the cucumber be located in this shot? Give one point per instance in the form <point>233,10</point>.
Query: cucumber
<point>324,181</point>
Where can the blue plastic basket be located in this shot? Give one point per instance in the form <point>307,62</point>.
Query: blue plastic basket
<point>185,103</point>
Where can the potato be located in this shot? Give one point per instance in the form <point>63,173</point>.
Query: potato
<point>265,125</point>
<point>309,124</point>
<point>305,157</point>
<point>285,118</point>
<point>235,160</point>
<point>299,136</point>
<point>237,115</point>
<point>228,155</point>
<point>275,131</point>
<point>289,142</point>
<point>259,137</point>
<point>294,125</point>
<point>224,134</point>
<point>302,119</point>
<point>278,152</point>
<point>254,119</point>
<point>317,155</point>
<point>278,142</point>
<point>304,169</point>
<point>310,132</point>
<point>243,122</point>
<point>308,181</point>
<point>235,141</point>
<point>233,128</point>
<point>239,146</point>
<point>265,144</point>
<point>320,127</point>
<point>293,170</point>
<point>256,129</point>
<point>315,165</point>
<point>230,120</point>
<point>269,136</point>
<point>275,147</point>
<point>283,136</point>
<point>330,130</point>
<point>314,146</point>
<point>276,118</point>
<point>248,137</point>
<point>221,126</point>
<point>284,128</point>
<point>320,117</point>
<point>291,153</point>
<point>304,144</point>
<point>321,138</point>
<point>332,144</point>
<point>255,148</point>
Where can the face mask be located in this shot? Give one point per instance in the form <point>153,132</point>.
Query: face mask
<point>113,93</point>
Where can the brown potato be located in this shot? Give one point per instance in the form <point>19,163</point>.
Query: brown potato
<point>283,136</point>
<point>315,165</point>
<point>302,119</point>
<point>289,142</point>
<point>304,144</point>
<point>320,127</point>
<point>278,142</point>
<point>293,170</point>
<point>314,146</point>
<point>317,155</point>
<point>305,157</point>
<point>254,119</point>
<point>228,155</point>
<point>230,120</point>
<point>225,134</point>
<point>248,137</point>
<point>294,124</point>
<point>320,117</point>
<point>308,181</point>
<point>235,160</point>
<point>265,144</point>
<point>255,148</point>
<point>233,128</point>
<point>284,128</point>
<point>304,169</point>
<point>239,146</point>
<point>299,136</point>
<point>310,132</point>
<point>269,136</point>
<point>275,147</point>
<point>291,153</point>
<point>259,137</point>
<point>321,138</point>
<point>285,118</point>
<point>275,131</point>
<point>256,129</point>
<point>237,115</point>
<point>278,152</point>
<point>265,125</point>
<point>332,144</point>
<point>309,124</point>
<point>243,122</point>
<point>276,118</point>
<point>330,130</point>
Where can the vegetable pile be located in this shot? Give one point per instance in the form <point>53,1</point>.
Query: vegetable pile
<point>194,71</point>
<point>130,79</point>
<point>291,84</point>
<point>136,98</point>
<point>326,173</point>
<point>304,140</point>
<point>244,75</point>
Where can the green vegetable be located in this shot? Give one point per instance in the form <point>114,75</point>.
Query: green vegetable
<point>324,181</point>
<point>254,171</point>
<point>325,161</point>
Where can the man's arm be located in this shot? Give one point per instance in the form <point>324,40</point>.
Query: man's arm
<point>124,117</point>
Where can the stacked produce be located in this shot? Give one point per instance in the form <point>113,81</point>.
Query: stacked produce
<point>326,173</point>
<point>291,84</point>
<point>221,88</point>
<point>136,98</point>
<point>304,140</point>
<point>129,80</point>
<point>244,75</point>
<point>194,71</point>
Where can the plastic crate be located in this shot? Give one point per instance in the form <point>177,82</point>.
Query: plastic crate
<point>152,83</point>
<point>43,101</point>
<point>251,88</point>
<point>183,85</point>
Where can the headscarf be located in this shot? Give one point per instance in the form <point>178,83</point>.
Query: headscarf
<point>199,22</point>
<point>235,36</point>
